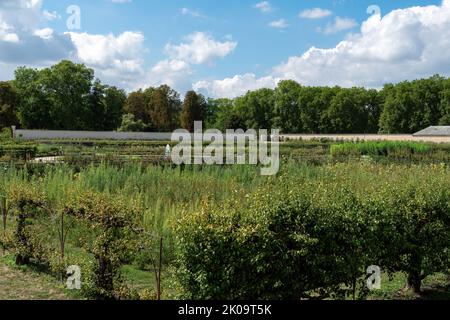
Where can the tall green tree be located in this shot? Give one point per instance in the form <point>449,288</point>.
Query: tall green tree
<point>56,98</point>
<point>194,107</point>
<point>347,112</point>
<point>256,108</point>
<point>318,109</point>
<point>398,106</point>
<point>66,96</point>
<point>95,115</point>
<point>9,101</point>
<point>114,99</point>
<point>373,106</point>
<point>34,104</point>
<point>310,108</point>
<point>137,105</point>
<point>218,114</point>
<point>68,86</point>
<point>445,104</point>
<point>286,109</point>
<point>164,109</point>
<point>412,106</point>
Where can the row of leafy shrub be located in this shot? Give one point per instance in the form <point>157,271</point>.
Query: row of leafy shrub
<point>106,237</point>
<point>315,236</point>
<point>18,151</point>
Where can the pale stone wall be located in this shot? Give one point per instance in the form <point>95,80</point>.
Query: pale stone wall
<point>158,136</point>
<point>89,135</point>
<point>366,137</point>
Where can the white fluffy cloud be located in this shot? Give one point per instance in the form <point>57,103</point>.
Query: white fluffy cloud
<point>315,13</point>
<point>18,16</point>
<point>24,38</point>
<point>279,24</point>
<point>45,33</point>
<point>264,6</point>
<point>23,15</point>
<point>192,13</point>
<point>235,86</point>
<point>174,73</point>
<point>200,48</point>
<point>405,44</point>
<point>123,53</point>
<point>339,24</point>
<point>177,70</point>
<point>49,16</point>
<point>116,59</point>
<point>6,33</point>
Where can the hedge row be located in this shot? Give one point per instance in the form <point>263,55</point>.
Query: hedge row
<point>18,151</point>
<point>317,236</point>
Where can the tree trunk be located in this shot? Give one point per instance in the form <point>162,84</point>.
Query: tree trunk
<point>415,273</point>
<point>415,281</point>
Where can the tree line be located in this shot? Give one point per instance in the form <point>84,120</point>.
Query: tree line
<point>67,96</point>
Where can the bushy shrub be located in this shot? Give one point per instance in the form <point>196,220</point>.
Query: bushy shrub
<point>316,237</point>
<point>418,242</point>
<point>111,223</point>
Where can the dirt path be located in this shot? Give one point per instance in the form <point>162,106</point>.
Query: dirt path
<point>19,285</point>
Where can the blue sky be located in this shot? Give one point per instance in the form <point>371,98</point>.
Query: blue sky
<point>223,48</point>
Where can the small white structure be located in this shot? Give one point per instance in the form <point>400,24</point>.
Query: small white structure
<point>168,152</point>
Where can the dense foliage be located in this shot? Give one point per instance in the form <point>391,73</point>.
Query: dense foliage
<point>158,108</point>
<point>110,225</point>
<point>316,234</point>
<point>193,110</point>
<point>228,232</point>
<point>67,96</point>
<point>9,100</point>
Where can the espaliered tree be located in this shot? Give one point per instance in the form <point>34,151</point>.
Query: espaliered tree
<point>4,212</point>
<point>25,201</point>
<point>194,107</point>
<point>111,221</point>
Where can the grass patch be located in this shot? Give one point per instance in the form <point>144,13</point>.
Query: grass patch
<point>379,148</point>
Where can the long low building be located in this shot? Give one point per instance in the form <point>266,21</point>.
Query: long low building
<point>89,135</point>
<point>432,134</point>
